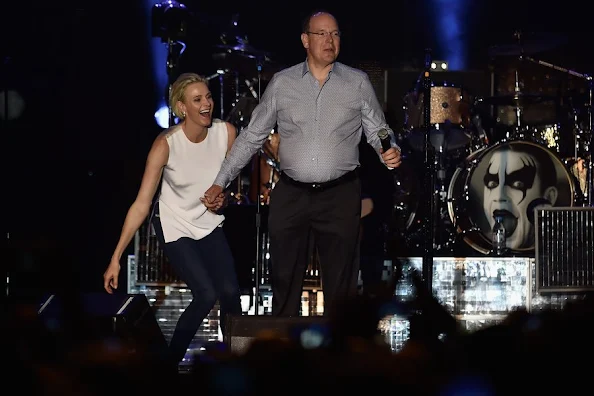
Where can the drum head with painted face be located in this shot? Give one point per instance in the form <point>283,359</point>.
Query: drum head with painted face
<point>512,176</point>
<point>512,181</point>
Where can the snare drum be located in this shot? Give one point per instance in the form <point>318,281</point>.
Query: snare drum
<point>512,176</point>
<point>450,117</point>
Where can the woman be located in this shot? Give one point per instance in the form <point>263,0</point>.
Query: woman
<point>188,157</point>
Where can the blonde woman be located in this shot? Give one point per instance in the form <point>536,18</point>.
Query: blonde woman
<point>187,158</point>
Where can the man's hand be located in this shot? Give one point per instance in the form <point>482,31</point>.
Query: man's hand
<point>392,157</point>
<point>224,199</point>
<point>219,203</point>
<point>212,193</point>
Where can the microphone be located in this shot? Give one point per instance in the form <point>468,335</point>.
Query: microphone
<point>532,205</point>
<point>384,137</point>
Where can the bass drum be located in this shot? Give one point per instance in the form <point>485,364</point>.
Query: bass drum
<point>512,176</point>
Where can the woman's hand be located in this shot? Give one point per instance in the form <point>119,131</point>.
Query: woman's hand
<point>220,202</point>
<point>111,275</point>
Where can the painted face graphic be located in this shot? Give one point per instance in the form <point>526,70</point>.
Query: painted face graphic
<point>512,181</point>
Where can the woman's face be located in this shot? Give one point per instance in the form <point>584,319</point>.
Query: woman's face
<point>198,104</point>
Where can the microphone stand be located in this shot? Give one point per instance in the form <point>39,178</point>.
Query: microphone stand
<point>259,260</point>
<point>590,113</point>
<point>591,126</point>
<point>429,179</point>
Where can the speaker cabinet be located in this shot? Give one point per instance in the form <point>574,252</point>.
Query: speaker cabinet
<point>242,330</point>
<point>127,318</point>
<point>563,249</point>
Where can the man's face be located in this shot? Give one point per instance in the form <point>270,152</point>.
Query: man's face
<point>322,43</point>
<point>511,182</point>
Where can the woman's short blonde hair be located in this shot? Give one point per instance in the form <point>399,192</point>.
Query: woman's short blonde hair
<point>178,90</point>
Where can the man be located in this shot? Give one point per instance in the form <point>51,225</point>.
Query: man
<point>515,178</point>
<point>320,108</point>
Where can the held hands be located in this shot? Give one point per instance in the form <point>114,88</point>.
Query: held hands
<point>212,193</point>
<point>214,205</point>
<point>110,277</point>
<point>392,157</point>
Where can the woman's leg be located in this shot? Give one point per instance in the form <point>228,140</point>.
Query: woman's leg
<point>186,258</point>
<point>221,267</point>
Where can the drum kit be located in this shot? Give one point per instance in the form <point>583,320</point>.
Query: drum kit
<point>469,137</point>
<point>242,72</point>
<point>511,151</point>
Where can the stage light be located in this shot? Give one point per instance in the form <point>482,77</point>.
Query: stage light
<point>162,116</point>
<point>450,20</point>
<point>170,21</point>
<point>439,65</point>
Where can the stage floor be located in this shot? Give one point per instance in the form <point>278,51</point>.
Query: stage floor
<point>476,291</point>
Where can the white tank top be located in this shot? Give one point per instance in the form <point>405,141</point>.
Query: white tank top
<point>191,169</point>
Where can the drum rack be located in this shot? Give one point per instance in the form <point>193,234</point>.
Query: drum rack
<point>588,78</point>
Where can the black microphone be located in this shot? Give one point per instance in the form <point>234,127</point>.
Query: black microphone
<point>532,205</point>
<point>384,137</point>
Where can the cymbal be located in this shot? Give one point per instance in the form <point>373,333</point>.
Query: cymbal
<point>241,57</point>
<point>518,100</point>
<point>247,67</point>
<point>530,43</point>
<point>244,49</point>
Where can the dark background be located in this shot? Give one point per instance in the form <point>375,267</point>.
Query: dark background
<point>73,161</point>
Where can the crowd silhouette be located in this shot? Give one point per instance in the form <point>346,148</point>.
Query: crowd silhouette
<point>543,351</point>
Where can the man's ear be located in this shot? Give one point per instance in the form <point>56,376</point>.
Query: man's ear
<point>305,40</point>
<point>551,194</point>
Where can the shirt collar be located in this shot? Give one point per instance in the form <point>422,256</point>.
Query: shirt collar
<point>335,69</point>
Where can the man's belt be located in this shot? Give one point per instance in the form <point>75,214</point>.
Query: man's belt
<point>349,176</point>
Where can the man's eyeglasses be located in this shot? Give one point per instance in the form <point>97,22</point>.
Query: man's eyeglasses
<point>335,34</point>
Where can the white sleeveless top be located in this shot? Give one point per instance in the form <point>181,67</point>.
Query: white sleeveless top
<point>191,169</point>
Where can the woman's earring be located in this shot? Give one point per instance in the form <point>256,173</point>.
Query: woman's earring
<point>184,114</point>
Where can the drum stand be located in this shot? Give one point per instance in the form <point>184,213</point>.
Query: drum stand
<point>517,93</point>
<point>588,78</point>
<point>259,258</point>
<point>429,179</point>
<point>517,132</point>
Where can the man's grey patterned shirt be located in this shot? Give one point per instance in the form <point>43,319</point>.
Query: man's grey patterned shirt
<point>319,127</point>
